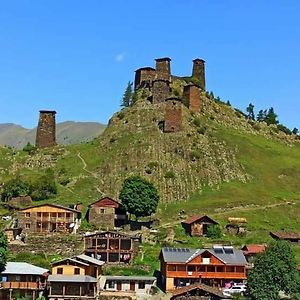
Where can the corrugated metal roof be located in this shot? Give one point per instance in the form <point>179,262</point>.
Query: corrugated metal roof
<point>23,268</point>
<point>137,278</point>
<point>183,255</point>
<point>71,278</point>
<point>89,259</point>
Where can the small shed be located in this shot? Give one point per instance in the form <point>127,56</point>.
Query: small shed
<point>252,250</point>
<point>293,237</point>
<point>198,225</point>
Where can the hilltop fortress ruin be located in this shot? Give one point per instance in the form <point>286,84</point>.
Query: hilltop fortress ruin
<point>158,82</point>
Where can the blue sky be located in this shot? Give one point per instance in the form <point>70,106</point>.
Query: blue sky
<point>76,57</point>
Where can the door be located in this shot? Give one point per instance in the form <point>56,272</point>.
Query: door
<point>132,285</point>
<point>119,286</point>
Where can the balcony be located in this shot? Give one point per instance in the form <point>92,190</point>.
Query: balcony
<point>207,275</point>
<point>22,285</point>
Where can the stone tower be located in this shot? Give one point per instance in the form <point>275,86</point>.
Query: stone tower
<point>191,94</point>
<point>163,69</point>
<point>173,115</point>
<point>144,77</point>
<point>45,134</point>
<point>199,72</point>
<point>160,90</point>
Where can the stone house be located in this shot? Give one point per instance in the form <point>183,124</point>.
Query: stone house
<point>107,213</point>
<point>46,218</point>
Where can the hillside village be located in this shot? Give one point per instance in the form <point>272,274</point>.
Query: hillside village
<point>187,249</point>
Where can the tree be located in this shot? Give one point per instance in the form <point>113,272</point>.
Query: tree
<point>15,188</point>
<point>29,148</point>
<point>128,95</point>
<point>250,111</point>
<point>139,196</point>
<point>3,251</point>
<point>271,117</point>
<point>261,116</point>
<point>214,232</point>
<point>295,131</point>
<point>274,271</point>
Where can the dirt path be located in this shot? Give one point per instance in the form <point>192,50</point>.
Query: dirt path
<point>91,173</point>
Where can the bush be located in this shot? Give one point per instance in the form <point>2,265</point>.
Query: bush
<point>15,188</point>
<point>197,122</point>
<point>29,148</point>
<point>214,232</point>
<point>170,175</point>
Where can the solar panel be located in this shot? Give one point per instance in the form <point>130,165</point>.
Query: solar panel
<point>228,249</point>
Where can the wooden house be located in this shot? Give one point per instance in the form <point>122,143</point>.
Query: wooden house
<point>107,213</point>
<point>110,246</point>
<point>74,278</point>
<point>293,237</point>
<point>20,279</point>
<point>214,267</point>
<point>45,218</point>
<point>198,225</point>
<point>252,250</point>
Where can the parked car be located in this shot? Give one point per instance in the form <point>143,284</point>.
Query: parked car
<point>235,289</point>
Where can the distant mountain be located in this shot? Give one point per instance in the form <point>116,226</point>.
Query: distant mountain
<point>68,132</point>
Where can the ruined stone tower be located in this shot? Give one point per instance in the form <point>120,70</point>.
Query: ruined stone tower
<point>144,77</point>
<point>45,134</point>
<point>163,69</point>
<point>199,72</point>
<point>173,115</point>
<point>191,94</point>
<point>160,90</point>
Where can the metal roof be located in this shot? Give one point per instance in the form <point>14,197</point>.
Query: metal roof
<point>137,278</point>
<point>23,268</point>
<point>74,260</point>
<point>89,259</point>
<point>228,255</point>
<point>71,278</point>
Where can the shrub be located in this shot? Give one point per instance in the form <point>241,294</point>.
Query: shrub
<point>197,122</point>
<point>170,175</point>
<point>29,148</point>
<point>214,232</point>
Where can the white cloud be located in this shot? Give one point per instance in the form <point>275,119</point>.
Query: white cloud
<point>119,57</point>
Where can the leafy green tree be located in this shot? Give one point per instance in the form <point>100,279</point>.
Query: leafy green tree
<point>271,117</point>
<point>139,196</point>
<point>127,99</point>
<point>15,188</point>
<point>3,251</point>
<point>29,148</point>
<point>274,271</point>
<point>250,111</point>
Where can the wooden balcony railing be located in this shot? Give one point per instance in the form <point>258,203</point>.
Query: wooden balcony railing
<point>22,285</point>
<point>208,275</point>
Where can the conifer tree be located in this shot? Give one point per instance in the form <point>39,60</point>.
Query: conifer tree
<point>128,95</point>
<point>250,111</point>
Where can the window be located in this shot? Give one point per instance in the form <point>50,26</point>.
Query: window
<point>77,271</point>
<point>27,215</point>
<point>39,214</point>
<point>27,225</point>
<point>206,260</point>
<point>230,269</point>
<point>102,211</point>
<point>141,285</point>
<point>191,268</point>
<point>59,270</point>
<point>220,269</point>
<point>210,269</point>
<point>60,215</point>
<point>181,268</point>
<point>111,284</point>
<point>68,215</point>
<point>171,268</point>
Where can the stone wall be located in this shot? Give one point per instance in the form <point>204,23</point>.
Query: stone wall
<point>144,77</point>
<point>160,91</point>
<point>163,69</point>
<point>46,130</point>
<point>173,115</point>
<point>199,72</point>
<point>102,220</point>
<point>191,94</point>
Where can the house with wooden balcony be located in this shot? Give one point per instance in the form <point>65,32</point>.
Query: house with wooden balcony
<point>213,267</point>
<point>198,225</point>
<point>20,279</point>
<point>111,246</point>
<point>74,278</point>
<point>107,213</point>
<point>46,218</point>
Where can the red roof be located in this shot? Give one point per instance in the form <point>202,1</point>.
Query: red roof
<point>106,202</point>
<point>196,218</point>
<point>253,249</point>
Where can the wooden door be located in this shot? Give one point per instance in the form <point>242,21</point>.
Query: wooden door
<point>119,286</point>
<point>132,285</point>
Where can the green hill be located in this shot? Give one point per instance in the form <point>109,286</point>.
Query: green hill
<point>219,164</point>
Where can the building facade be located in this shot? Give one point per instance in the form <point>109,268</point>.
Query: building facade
<point>110,246</point>
<point>213,267</point>
<point>46,218</point>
